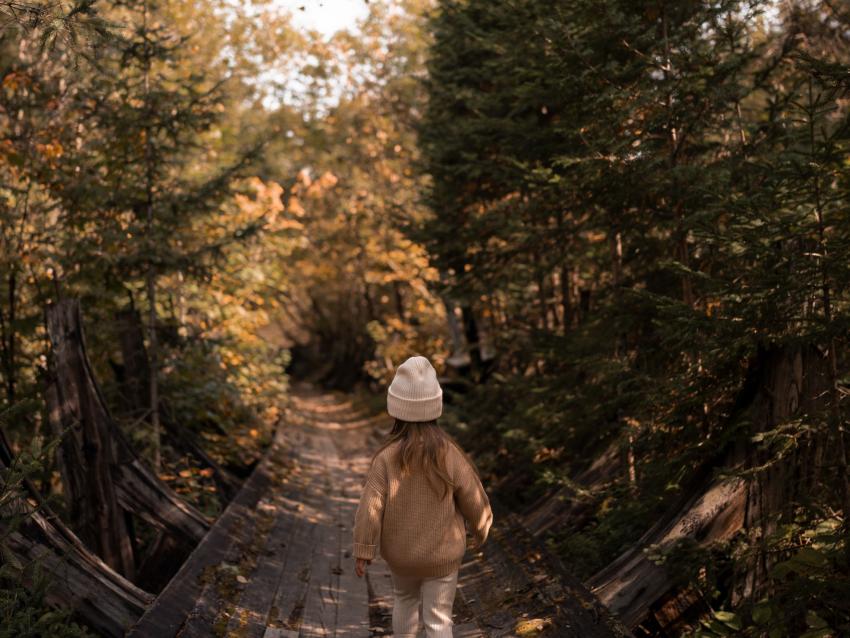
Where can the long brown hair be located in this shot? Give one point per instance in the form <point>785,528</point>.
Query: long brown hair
<point>422,447</point>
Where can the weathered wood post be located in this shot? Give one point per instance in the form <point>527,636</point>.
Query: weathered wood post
<point>99,468</point>
<point>87,451</point>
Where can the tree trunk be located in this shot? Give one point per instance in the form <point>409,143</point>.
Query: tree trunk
<point>134,384</point>
<point>136,377</point>
<point>782,383</point>
<point>566,304</point>
<point>153,364</point>
<point>454,327</point>
<point>151,273</point>
<point>540,275</point>
<point>399,302</point>
<point>796,382</point>
<point>8,337</point>
<point>89,459</point>
<point>470,331</point>
<point>137,489</point>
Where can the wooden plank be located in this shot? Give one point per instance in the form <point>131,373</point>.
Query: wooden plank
<point>352,593</point>
<point>319,607</point>
<point>338,602</point>
<point>302,572</point>
<point>170,611</point>
<point>380,587</point>
<point>220,585</point>
<point>251,615</point>
<point>308,484</point>
<point>218,607</point>
<point>288,599</point>
<point>319,618</point>
<point>468,630</point>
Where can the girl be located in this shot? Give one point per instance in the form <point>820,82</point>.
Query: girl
<point>420,489</point>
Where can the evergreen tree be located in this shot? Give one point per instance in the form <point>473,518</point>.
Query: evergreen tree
<point>641,203</point>
<point>142,172</point>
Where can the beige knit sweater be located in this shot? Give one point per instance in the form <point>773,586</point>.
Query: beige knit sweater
<point>419,533</point>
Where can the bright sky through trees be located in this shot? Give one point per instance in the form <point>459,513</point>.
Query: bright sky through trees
<point>326,16</point>
<point>286,82</point>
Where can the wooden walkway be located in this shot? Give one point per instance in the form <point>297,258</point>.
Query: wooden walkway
<point>277,563</point>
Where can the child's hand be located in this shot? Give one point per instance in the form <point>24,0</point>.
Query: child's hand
<point>360,567</point>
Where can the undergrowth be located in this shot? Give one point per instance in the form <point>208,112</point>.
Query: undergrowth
<point>24,586</point>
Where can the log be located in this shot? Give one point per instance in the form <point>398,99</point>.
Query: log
<point>77,402</point>
<point>100,596</point>
<point>779,382</point>
<point>141,492</point>
<point>560,506</point>
<point>632,583</point>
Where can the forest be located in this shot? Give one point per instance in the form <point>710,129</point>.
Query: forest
<point>620,231</point>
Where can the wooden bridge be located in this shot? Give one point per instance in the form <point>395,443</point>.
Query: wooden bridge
<point>277,563</point>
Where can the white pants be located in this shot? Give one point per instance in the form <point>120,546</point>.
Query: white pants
<point>428,598</point>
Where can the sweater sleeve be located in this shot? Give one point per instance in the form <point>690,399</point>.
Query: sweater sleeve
<point>370,510</point>
<point>473,502</point>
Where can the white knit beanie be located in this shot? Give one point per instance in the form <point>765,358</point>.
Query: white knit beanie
<point>415,394</point>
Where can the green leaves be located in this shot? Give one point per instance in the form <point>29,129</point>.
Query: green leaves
<point>807,562</point>
<point>644,206</point>
<point>762,613</point>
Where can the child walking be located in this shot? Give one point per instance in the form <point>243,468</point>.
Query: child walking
<point>420,489</point>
